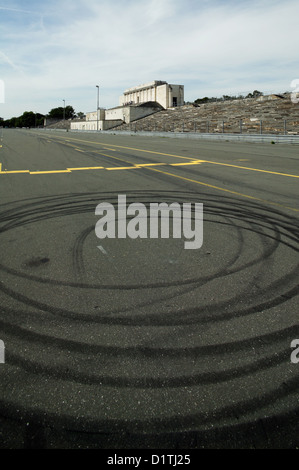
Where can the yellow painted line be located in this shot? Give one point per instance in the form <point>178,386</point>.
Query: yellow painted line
<point>123,147</point>
<point>180,156</point>
<point>150,164</point>
<point>5,172</point>
<point>198,162</point>
<point>48,172</point>
<point>226,190</point>
<point>136,165</point>
<point>86,168</point>
<point>145,151</point>
<point>79,150</point>
<point>16,171</point>
<point>252,169</point>
<point>122,168</point>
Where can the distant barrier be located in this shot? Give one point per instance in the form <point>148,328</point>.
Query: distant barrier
<point>240,127</point>
<point>258,138</point>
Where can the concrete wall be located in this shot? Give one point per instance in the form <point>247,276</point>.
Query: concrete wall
<point>49,121</point>
<point>92,125</point>
<point>92,116</point>
<point>170,96</point>
<point>115,113</point>
<point>138,112</point>
<point>130,113</point>
<point>176,91</point>
<point>110,124</point>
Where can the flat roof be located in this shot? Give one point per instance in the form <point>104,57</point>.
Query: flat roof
<point>145,85</point>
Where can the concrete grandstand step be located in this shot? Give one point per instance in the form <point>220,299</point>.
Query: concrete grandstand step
<point>278,115</point>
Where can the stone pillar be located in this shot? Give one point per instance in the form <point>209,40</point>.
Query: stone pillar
<point>169,100</point>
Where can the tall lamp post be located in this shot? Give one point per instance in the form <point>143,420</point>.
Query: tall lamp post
<point>98,104</point>
<point>63,110</point>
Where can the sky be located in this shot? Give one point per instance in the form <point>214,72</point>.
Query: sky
<point>58,50</point>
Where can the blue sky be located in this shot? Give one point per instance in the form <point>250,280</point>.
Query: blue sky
<point>60,50</point>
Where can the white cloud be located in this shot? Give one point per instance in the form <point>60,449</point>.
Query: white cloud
<point>157,11</point>
<point>65,48</point>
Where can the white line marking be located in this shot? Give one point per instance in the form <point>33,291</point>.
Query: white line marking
<point>102,250</point>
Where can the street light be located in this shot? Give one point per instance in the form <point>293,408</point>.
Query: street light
<point>98,103</point>
<point>64,110</point>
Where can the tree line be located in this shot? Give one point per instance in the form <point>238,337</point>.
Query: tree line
<point>254,94</point>
<point>31,119</point>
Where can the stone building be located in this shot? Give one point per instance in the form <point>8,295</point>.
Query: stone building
<point>134,104</point>
<point>168,96</point>
<point>93,123</point>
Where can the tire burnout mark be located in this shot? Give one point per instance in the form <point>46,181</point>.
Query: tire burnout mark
<point>198,363</point>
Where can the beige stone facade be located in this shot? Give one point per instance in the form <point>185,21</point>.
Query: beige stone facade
<point>168,96</point>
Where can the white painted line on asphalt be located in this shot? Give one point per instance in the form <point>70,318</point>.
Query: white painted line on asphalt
<point>102,250</point>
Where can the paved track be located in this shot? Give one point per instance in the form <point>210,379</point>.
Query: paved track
<point>142,343</point>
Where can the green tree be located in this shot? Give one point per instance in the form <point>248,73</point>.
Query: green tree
<point>39,119</point>
<point>27,119</point>
<point>255,94</point>
<point>69,112</point>
<point>13,122</point>
<point>58,113</point>
<point>202,100</point>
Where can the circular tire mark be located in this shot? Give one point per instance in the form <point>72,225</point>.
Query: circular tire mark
<point>199,363</point>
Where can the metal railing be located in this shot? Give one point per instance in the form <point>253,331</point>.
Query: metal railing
<point>257,126</point>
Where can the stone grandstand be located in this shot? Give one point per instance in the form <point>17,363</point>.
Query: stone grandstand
<point>274,114</point>
<point>59,124</point>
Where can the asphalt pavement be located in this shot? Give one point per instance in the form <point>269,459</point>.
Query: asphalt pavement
<point>134,341</point>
